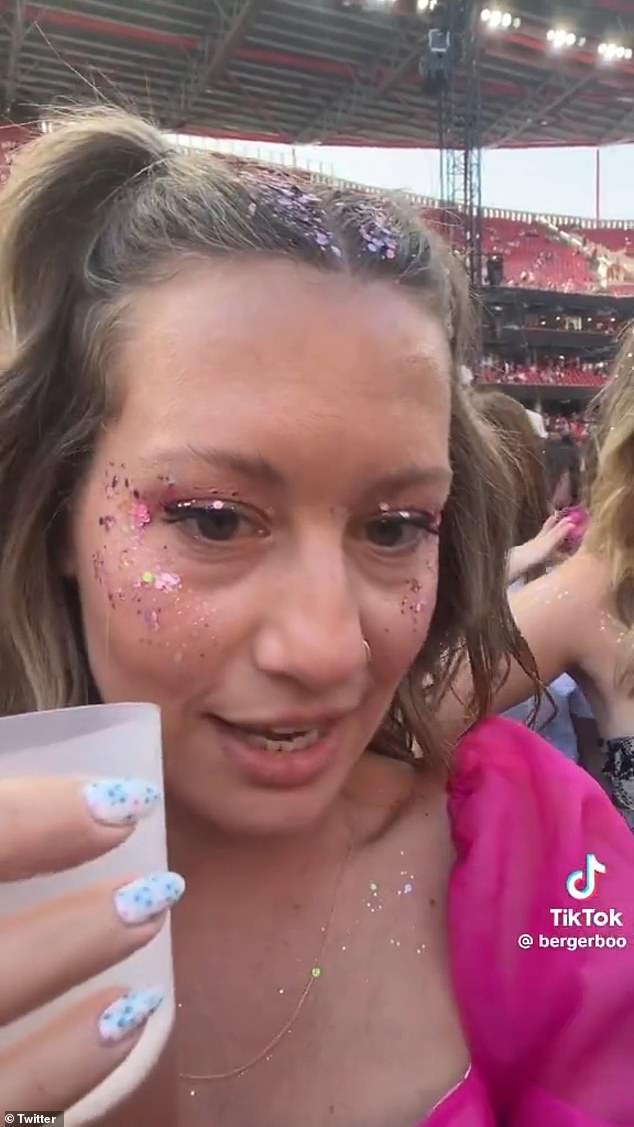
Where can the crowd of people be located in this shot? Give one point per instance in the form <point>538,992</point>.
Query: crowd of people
<point>246,482</point>
<point>574,426</point>
<point>539,256</point>
<point>575,373</point>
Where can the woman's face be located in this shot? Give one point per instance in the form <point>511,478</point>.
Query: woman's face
<point>268,498</point>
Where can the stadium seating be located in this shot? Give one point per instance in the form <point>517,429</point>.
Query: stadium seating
<point>531,376</point>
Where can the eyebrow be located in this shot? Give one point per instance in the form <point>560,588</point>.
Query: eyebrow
<point>256,468</point>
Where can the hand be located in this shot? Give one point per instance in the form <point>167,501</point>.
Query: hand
<point>47,825</point>
<point>538,551</point>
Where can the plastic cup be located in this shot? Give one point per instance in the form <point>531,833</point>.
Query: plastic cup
<point>97,741</point>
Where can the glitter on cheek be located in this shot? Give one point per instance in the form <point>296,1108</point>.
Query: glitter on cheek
<point>139,515</point>
<point>414,601</point>
<point>166,581</point>
<point>152,618</point>
<point>160,580</point>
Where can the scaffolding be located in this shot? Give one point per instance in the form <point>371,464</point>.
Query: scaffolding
<point>459,131</point>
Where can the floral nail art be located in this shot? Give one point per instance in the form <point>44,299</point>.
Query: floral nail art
<point>147,897</point>
<point>128,1013</point>
<point>121,802</point>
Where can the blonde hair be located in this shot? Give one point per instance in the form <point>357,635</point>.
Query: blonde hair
<point>102,205</point>
<point>611,531</point>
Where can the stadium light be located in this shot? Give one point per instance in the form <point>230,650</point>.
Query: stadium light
<point>611,52</point>
<point>560,39</point>
<point>497,19</point>
<point>426,5</point>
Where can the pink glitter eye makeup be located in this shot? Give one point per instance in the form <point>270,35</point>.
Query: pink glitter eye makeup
<point>216,522</point>
<point>401,529</point>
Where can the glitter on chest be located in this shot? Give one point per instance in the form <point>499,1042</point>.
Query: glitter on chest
<point>373,903</point>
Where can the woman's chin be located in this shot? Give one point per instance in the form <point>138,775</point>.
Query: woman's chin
<point>206,801</point>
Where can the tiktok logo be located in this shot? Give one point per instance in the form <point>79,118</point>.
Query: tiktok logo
<point>582,883</point>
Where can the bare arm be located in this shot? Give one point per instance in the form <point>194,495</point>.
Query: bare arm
<point>555,614</point>
<point>540,550</point>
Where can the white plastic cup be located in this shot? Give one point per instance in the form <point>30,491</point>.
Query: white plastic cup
<point>97,742</point>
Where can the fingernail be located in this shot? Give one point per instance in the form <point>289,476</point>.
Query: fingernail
<point>128,1013</point>
<point>121,802</point>
<point>147,897</point>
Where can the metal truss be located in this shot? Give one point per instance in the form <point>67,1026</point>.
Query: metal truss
<point>344,110</point>
<point>231,20</point>
<point>460,136</point>
<point>619,131</point>
<point>522,117</point>
<point>19,29</point>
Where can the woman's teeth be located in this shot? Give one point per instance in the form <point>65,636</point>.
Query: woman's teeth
<point>281,741</point>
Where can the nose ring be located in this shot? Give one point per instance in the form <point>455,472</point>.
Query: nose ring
<point>367,651</point>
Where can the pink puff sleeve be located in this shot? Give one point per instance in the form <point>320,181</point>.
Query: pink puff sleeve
<point>551,1029</point>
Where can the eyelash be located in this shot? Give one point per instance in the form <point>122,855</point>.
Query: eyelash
<point>181,512</point>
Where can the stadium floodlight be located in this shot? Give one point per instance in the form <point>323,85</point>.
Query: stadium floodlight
<point>496,19</point>
<point>611,52</point>
<point>559,38</point>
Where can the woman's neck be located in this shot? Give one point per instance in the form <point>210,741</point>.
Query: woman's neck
<point>376,794</point>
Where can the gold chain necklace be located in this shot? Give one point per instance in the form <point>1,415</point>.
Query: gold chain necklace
<point>315,975</point>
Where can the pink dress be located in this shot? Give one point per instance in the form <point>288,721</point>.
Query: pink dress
<point>551,1030</point>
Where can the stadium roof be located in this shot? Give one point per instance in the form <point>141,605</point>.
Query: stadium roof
<point>331,71</point>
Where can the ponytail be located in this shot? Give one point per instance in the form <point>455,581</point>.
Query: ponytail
<point>57,203</point>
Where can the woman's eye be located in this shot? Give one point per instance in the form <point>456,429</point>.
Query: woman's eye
<point>218,523</point>
<point>402,529</point>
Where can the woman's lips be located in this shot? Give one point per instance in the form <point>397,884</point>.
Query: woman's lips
<point>289,762</point>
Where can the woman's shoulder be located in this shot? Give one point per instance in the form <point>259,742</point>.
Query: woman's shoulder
<point>541,902</point>
<point>523,819</point>
<point>583,576</point>
<point>500,757</point>
<point>507,782</point>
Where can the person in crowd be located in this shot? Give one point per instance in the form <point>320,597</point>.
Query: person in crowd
<point>579,618</point>
<point>564,470</point>
<point>521,449</point>
<point>562,716</point>
<point>243,481</point>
